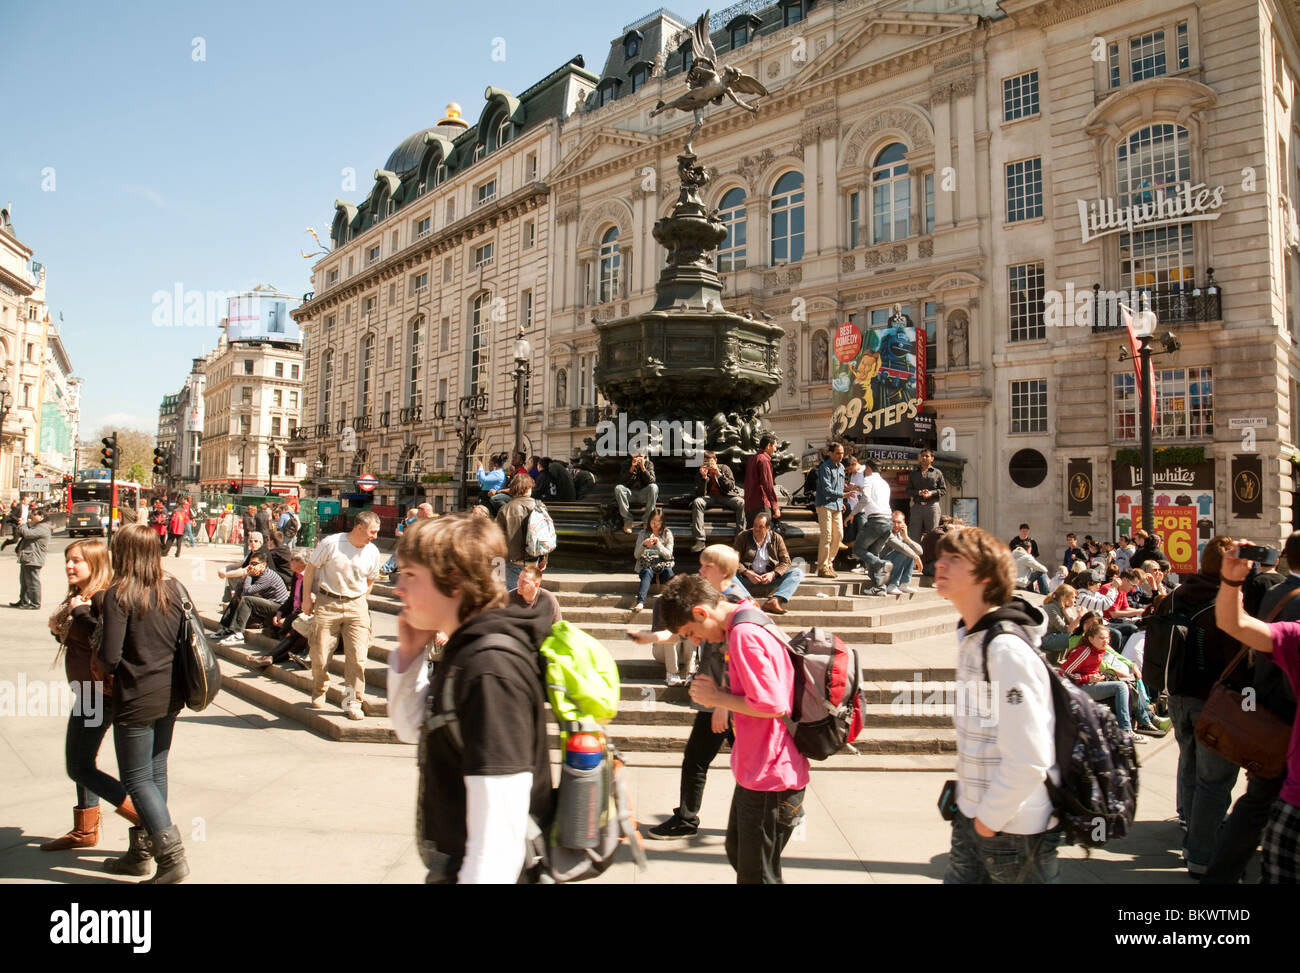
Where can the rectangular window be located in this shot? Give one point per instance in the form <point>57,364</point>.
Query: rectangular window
<point>419,283</point>
<point>442,397</point>
<point>929,202</point>
<point>451,209</point>
<point>446,270</point>
<point>439,458</point>
<point>1025,290</point>
<point>392,293</point>
<point>444,335</point>
<point>487,192</point>
<point>349,266</point>
<point>372,254</point>
<point>396,236</point>
<point>530,166</point>
<point>1020,96</point>
<point>383,463</point>
<point>582,380</point>
<point>530,234</point>
<point>388,352</point>
<point>1146,56</point>
<point>277,398</point>
<point>1029,406</point>
<point>855,219</point>
<point>246,394</point>
<point>1184,60</point>
<point>369,305</point>
<point>332,277</point>
<point>526,309</point>
<point>245,425</point>
<point>293,401</point>
<point>482,256</point>
<point>275,425</point>
<point>422,227</point>
<point>1112,62</point>
<point>1184,404</point>
<point>279,369</point>
<point>248,366</point>
<point>1024,190</point>
<point>293,371</point>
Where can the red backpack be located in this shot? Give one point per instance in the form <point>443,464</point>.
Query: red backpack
<point>826,712</point>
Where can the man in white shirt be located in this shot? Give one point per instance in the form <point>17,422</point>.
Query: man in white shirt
<point>344,567</point>
<point>873,518</point>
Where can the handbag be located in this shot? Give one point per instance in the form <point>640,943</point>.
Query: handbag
<point>302,625</point>
<point>197,660</point>
<point>1253,738</point>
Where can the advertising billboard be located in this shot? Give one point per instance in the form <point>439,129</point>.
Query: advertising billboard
<point>254,317</point>
<point>1184,507</point>
<point>875,388</point>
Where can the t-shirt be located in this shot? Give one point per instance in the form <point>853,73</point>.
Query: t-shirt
<point>343,568</point>
<point>1121,600</point>
<point>764,757</point>
<point>1286,653</point>
<point>544,596</point>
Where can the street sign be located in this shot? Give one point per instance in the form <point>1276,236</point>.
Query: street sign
<point>367,482</point>
<point>1254,421</point>
<point>33,484</point>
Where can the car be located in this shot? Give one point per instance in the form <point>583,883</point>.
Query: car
<point>87,518</point>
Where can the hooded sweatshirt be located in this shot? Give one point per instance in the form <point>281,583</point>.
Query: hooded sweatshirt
<point>1006,725</point>
<point>501,713</point>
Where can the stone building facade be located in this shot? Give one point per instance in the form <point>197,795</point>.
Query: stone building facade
<point>23,323</point>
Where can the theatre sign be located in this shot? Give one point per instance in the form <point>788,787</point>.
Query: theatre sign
<point>1185,204</point>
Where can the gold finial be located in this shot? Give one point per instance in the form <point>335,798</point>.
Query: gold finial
<point>453,117</point>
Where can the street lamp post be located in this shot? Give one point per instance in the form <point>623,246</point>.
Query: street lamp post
<point>243,456</point>
<point>6,403</point>
<point>271,453</point>
<point>467,411</point>
<point>523,357</point>
<point>1145,405</point>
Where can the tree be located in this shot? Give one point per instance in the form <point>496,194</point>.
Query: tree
<point>135,452</point>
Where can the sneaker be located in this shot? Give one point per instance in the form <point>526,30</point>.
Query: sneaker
<point>1135,739</point>
<point>354,712</point>
<point>1164,724</point>
<point>221,633</point>
<point>627,528</point>
<point>235,638</point>
<point>673,679</point>
<point>674,827</point>
<point>302,660</point>
<point>877,591</point>
<point>907,589</point>
<point>860,569</point>
<point>893,589</point>
<point>638,606</point>
<point>698,546</point>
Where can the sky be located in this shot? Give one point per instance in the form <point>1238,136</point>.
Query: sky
<point>150,144</point>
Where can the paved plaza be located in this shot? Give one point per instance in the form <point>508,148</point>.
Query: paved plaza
<point>259,799</point>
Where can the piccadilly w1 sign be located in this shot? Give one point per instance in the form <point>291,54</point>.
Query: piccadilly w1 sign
<point>1185,204</point>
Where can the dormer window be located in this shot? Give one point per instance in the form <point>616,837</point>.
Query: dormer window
<point>791,12</point>
<point>503,132</point>
<point>739,36</point>
<point>607,91</point>
<point>639,76</point>
<point>632,44</point>
<point>688,55</point>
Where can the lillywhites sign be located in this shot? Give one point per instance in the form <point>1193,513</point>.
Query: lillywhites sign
<point>1185,204</point>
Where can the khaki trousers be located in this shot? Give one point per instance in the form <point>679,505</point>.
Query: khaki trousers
<point>348,619</point>
<point>831,526</point>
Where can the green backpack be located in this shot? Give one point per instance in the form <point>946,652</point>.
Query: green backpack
<point>580,678</point>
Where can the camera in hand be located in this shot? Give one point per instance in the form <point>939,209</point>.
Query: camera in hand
<point>1257,552</point>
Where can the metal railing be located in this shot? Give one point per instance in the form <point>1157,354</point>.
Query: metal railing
<point>1172,305</point>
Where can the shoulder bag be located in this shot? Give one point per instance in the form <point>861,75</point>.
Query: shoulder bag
<point>195,656</point>
<point>1252,737</point>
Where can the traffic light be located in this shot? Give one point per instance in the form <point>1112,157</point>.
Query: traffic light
<point>109,452</point>
<point>159,461</point>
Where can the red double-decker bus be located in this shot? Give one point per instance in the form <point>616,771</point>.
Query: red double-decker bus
<point>89,502</point>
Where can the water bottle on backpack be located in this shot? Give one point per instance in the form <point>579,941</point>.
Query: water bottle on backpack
<point>583,795</point>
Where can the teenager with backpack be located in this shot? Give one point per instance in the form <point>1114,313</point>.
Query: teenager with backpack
<point>513,519</point>
<point>481,783</point>
<point>1004,829</point>
<point>771,774</point>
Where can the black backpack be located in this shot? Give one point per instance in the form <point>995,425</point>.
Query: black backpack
<point>1097,797</point>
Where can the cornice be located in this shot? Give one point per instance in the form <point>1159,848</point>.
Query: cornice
<point>485,218</point>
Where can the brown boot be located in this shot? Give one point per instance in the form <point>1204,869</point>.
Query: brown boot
<point>127,810</point>
<point>773,607</point>
<point>84,833</point>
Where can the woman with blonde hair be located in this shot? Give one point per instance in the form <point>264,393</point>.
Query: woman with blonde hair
<point>73,624</point>
<point>143,612</point>
<point>1062,616</point>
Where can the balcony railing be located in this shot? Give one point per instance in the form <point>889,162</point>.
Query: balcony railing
<point>300,433</point>
<point>362,422</point>
<point>410,415</point>
<point>1171,304</point>
<point>383,418</point>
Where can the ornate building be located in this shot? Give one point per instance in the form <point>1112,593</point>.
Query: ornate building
<point>23,323</point>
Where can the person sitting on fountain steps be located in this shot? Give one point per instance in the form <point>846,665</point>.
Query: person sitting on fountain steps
<point>716,487</point>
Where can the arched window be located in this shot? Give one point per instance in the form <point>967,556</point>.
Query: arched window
<point>609,261</point>
<point>503,132</point>
<point>365,372</point>
<point>891,194</point>
<point>731,255</point>
<point>414,396</point>
<point>478,343</point>
<point>787,218</point>
<point>326,384</point>
<point>1152,161</point>
<point>561,389</point>
<point>632,45</point>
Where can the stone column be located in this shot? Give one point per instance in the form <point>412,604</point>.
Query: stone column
<point>964,107</point>
<point>943,208</point>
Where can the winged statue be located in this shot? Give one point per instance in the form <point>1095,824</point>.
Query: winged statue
<point>708,83</point>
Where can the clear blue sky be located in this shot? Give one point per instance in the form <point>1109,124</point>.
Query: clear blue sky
<point>167,169</point>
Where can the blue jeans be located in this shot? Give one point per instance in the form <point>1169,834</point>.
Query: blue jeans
<point>871,537</point>
<point>81,747</point>
<point>189,533</point>
<point>1004,859</point>
<point>903,567</point>
<point>1038,582</point>
<point>1113,689</point>
<point>390,566</point>
<point>786,584</point>
<point>142,760</point>
<point>1205,782</point>
<point>665,574</point>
